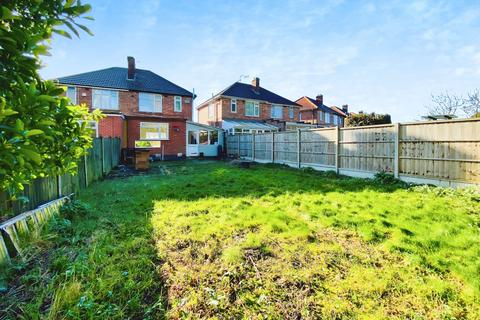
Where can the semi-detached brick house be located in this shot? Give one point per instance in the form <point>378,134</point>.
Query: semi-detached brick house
<point>314,111</point>
<point>245,108</point>
<point>141,107</point>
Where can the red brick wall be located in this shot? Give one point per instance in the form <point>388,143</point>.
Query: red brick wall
<point>226,113</point>
<point>111,126</point>
<point>128,104</point>
<point>174,145</point>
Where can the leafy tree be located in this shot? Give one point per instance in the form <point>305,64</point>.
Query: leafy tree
<point>366,119</point>
<point>41,132</point>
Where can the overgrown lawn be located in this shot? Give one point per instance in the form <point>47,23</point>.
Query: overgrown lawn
<point>206,239</point>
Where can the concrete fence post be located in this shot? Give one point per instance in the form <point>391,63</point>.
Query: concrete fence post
<point>253,146</point>
<point>273,147</point>
<point>238,144</point>
<point>299,141</point>
<point>337,149</point>
<point>396,159</point>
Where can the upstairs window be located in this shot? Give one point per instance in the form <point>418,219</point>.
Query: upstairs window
<point>105,99</point>
<point>291,112</point>
<point>72,94</point>
<point>149,102</point>
<point>177,104</point>
<point>277,112</point>
<point>210,111</point>
<point>252,109</point>
<point>153,131</point>
<point>233,105</point>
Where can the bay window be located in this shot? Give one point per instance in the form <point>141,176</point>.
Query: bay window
<point>153,131</point>
<point>105,99</point>
<point>252,108</point>
<point>149,102</point>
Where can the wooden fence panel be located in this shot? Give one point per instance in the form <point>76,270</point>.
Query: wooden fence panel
<point>369,149</point>
<point>285,147</point>
<point>46,189</point>
<point>439,152</point>
<point>245,145</point>
<point>263,147</point>
<point>317,147</point>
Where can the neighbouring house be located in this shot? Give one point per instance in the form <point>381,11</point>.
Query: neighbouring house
<point>249,108</point>
<point>314,111</point>
<point>142,108</point>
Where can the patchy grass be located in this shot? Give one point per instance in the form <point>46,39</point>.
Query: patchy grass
<point>266,242</point>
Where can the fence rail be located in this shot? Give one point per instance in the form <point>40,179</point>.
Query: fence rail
<point>438,152</point>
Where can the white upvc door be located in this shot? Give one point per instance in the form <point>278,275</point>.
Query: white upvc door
<point>192,144</point>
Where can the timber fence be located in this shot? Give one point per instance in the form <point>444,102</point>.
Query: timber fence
<point>445,153</point>
<point>43,197</point>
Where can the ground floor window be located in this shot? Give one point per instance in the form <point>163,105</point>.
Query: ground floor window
<point>93,126</point>
<point>213,137</point>
<point>147,144</point>
<point>153,131</point>
<point>203,137</point>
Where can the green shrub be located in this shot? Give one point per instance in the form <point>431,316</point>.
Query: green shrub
<point>74,209</point>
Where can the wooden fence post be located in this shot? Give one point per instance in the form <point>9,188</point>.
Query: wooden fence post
<point>253,146</point>
<point>112,152</point>
<point>59,186</point>
<point>273,146</point>
<point>85,164</point>
<point>396,159</point>
<point>337,149</point>
<point>102,154</point>
<point>298,148</point>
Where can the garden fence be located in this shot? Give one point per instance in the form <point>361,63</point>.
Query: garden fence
<point>43,197</point>
<point>443,153</point>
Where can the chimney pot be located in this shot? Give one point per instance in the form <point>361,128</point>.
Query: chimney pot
<point>345,108</point>
<point>319,98</point>
<point>256,84</point>
<point>131,68</point>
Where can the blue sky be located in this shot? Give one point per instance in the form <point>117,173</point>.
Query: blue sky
<point>385,56</point>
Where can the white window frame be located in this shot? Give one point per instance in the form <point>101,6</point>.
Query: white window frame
<point>233,103</point>
<point>91,124</point>
<point>277,107</point>
<point>74,100</point>
<point>256,109</point>
<point>210,111</point>
<point>175,99</point>
<point>152,125</point>
<point>157,102</point>
<point>104,92</point>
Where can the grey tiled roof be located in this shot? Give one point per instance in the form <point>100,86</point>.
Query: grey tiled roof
<point>116,78</point>
<point>243,90</point>
<point>324,108</point>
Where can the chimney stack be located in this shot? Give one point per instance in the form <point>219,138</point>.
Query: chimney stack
<point>319,99</point>
<point>256,84</point>
<point>131,68</point>
<point>345,108</point>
